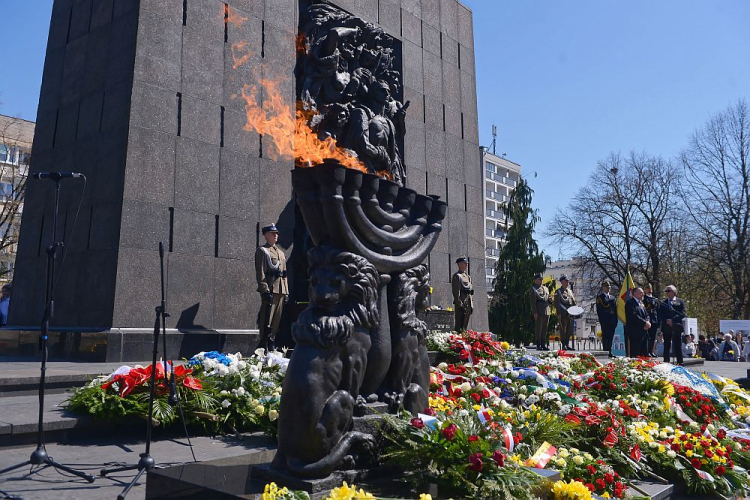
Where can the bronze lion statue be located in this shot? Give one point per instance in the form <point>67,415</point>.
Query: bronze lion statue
<point>327,366</point>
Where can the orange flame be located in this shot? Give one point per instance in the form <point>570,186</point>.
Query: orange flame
<point>241,53</point>
<point>231,16</point>
<point>290,132</point>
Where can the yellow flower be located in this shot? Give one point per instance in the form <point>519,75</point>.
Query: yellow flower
<point>689,453</point>
<point>425,496</point>
<point>344,492</point>
<point>504,346</point>
<point>572,490</point>
<point>272,492</point>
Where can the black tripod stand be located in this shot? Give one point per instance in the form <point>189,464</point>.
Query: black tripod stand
<point>146,463</point>
<point>40,456</point>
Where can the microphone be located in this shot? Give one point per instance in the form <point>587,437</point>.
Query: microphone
<point>56,176</point>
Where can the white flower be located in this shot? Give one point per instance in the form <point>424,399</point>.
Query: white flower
<point>224,393</point>
<point>560,462</point>
<point>514,374</point>
<point>653,444</point>
<point>273,415</point>
<point>260,352</point>
<point>260,409</point>
<point>588,456</point>
<point>222,369</point>
<point>671,453</point>
<point>578,460</point>
<point>226,403</point>
<point>563,453</point>
<point>465,386</point>
<point>443,366</point>
<point>241,391</point>
<point>463,413</point>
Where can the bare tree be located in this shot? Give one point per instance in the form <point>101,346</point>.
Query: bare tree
<point>716,194</point>
<point>619,218</point>
<point>16,136</point>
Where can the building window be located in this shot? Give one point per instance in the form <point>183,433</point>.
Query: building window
<point>3,153</point>
<point>6,190</point>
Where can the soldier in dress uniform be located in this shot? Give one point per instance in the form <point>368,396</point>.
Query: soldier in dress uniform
<point>540,300</point>
<point>606,310</point>
<point>651,304</point>
<point>563,300</point>
<point>463,302</point>
<point>270,271</point>
<point>672,312</point>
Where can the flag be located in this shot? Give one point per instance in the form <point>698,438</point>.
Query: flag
<point>625,292</point>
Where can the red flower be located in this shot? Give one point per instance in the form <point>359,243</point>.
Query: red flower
<point>192,383</point>
<point>610,440</point>
<point>463,355</point>
<point>485,393</point>
<point>473,438</point>
<point>591,487</point>
<point>475,462</point>
<point>612,386</point>
<point>709,453</point>
<point>572,418</point>
<point>675,447</point>
<point>609,478</point>
<point>429,411</point>
<point>689,446</point>
<point>696,463</point>
<point>720,470</point>
<point>499,458</point>
<point>635,453</point>
<point>417,422</point>
<point>450,432</point>
<point>591,469</point>
<point>517,438</point>
<point>721,434</point>
<point>600,484</point>
<point>182,370</point>
<point>476,397</point>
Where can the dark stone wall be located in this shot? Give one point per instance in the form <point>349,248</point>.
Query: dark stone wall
<point>143,98</point>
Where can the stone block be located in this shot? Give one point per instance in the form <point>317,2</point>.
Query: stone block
<point>125,7</point>
<point>449,18</point>
<point>28,239</point>
<point>197,176</point>
<point>454,158</point>
<point>77,235</point>
<point>138,287</point>
<point>73,71</point>
<point>190,291</point>
<point>80,19</point>
<point>207,18</point>
<point>279,46</point>
<point>150,167</point>
<point>122,49</point>
<point>194,233</point>
<point>97,61</point>
<point>473,172</point>
<point>83,159</point>
<point>436,185</point>
<point>242,59</point>
<point>459,240</point>
<point>101,13</point>
<point>475,201</point>
<point>431,12</point>
<point>465,27</point>
<point>416,179</point>
<point>366,9</point>
<point>414,145</point>
<point>471,129</point>
<point>155,108</point>
<point>236,138</point>
<point>411,27</point>
<point>159,56</point>
<point>90,116</point>
<point>238,239</point>
<point>468,63</point>
<point>276,202</point>
<point>253,7</point>
<point>451,85</point>
<point>456,198</point>
<point>44,133</point>
<point>280,73</point>
<point>433,75</point>
<point>389,16</point>
<point>431,39</point>
<point>475,231</point>
<point>239,185</point>
<point>203,61</point>
<point>237,302</point>
<point>59,25</point>
<point>201,120</point>
<point>49,95</point>
<point>94,287</point>
<point>416,104</point>
<point>450,50</point>
<point>435,152</point>
<point>111,154</point>
<point>105,227</point>
<point>468,94</point>
<point>144,225</point>
<point>27,305</point>
<point>413,7</point>
<point>116,112</point>
<point>67,123</point>
<point>433,113</point>
<point>413,73</point>
<point>282,14</point>
<point>440,267</point>
<point>453,125</point>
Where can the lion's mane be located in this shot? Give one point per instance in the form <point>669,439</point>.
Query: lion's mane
<point>410,291</point>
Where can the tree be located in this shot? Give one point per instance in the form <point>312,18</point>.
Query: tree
<point>620,218</point>
<point>519,260</point>
<point>716,195</point>
<point>16,136</point>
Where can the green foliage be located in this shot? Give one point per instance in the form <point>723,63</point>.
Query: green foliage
<point>520,259</point>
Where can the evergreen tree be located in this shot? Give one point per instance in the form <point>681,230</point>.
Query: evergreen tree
<point>520,259</point>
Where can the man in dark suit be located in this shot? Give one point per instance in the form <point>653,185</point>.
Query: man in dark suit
<point>651,304</point>
<point>672,312</point>
<point>637,323</point>
<point>606,310</point>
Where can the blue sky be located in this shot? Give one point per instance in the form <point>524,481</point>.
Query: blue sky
<point>566,82</point>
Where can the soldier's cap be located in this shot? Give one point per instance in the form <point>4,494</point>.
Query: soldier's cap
<point>462,259</point>
<point>271,228</point>
<point>564,277</point>
<point>538,276</point>
<point>605,283</point>
<point>671,288</point>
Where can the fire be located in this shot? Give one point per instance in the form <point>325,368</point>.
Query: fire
<point>230,16</point>
<point>241,53</point>
<point>289,131</point>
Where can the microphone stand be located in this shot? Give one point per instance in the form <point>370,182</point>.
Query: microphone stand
<point>40,455</point>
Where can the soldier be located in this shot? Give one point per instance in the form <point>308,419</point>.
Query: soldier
<point>270,271</point>
<point>672,312</point>
<point>540,299</point>
<point>463,303</point>
<point>606,310</point>
<point>651,304</point>
<point>563,300</point>
<point>637,323</point>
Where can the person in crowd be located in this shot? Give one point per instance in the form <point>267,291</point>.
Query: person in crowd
<point>746,349</point>
<point>4,304</point>
<point>651,304</point>
<point>540,299</point>
<point>637,323</point>
<point>463,289</point>
<point>606,310</point>
<point>659,345</point>
<point>739,340</point>
<point>705,346</point>
<point>564,299</point>
<point>729,350</point>
<point>672,312</point>
<point>688,346</point>
<point>271,275</point>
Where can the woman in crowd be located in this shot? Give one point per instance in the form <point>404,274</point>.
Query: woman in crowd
<point>729,350</point>
<point>688,346</point>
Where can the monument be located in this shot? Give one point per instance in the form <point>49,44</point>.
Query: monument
<point>154,102</point>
